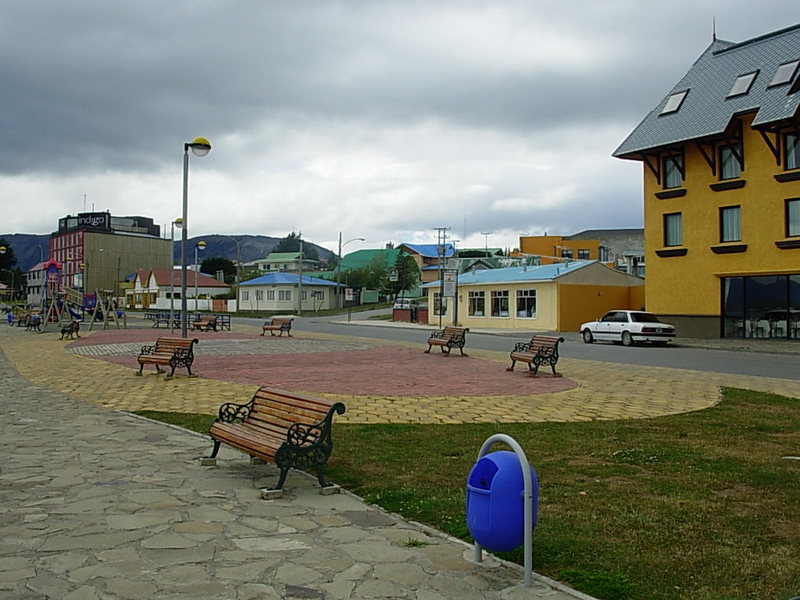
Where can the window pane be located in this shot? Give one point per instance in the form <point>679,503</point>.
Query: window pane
<point>672,172</point>
<point>742,84</point>
<point>729,221</point>
<point>526,304</point>
<point>476,304</point>
<point>785,73</point>
<point>730,164</point>
<point>674,102</point>
<point>792,217</point>
<point>500,303</point>
<point>673,234</point>
<point>792,151</point>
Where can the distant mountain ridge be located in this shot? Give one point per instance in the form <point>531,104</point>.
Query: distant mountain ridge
<point>31,248</point>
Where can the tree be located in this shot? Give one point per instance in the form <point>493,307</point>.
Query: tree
<point>291,243</point>
<point>369,277</point>
<point>219,263</point>
<point>407,275</point>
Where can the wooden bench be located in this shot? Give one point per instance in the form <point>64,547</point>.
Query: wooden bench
<point>279,324</point>
<point>288,429</point>
<point>174,352</point>
<point>207,323</point>
<point>541,350</point>
<point>449,337</point>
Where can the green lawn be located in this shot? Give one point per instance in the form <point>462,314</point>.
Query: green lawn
<point>697,506</point>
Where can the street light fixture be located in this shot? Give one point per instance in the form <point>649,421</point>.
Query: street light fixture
<point>176,223</point>
<point>201,245</point>
<point>200,146</point>
<point>339,264</point>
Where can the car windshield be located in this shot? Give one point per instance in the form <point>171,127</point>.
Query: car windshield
<point>640,317</point>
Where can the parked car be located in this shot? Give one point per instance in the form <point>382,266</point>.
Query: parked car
<point>628,327</point>
<point>406,303</point>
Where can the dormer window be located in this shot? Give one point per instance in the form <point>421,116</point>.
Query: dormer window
<point>785,73</point>
<point>742,84</point>
<point>674,102</point>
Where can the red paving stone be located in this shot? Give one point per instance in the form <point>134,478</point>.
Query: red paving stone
<point>380,371</point>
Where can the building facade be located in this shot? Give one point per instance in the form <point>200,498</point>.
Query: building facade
<point>554,297</point>
<point>97,250</point>
<point>721,164</point>
<point>161,289</point>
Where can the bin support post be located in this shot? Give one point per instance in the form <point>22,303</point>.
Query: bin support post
<point>527,501</point>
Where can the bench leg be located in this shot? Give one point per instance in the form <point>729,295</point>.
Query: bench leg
<point>282,478</point>
<point>321,476</point>
<point>215,449</point>
<point>513,362</point>
<point>428,351</point>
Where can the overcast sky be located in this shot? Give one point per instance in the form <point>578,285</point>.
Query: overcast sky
<point>380,119</point>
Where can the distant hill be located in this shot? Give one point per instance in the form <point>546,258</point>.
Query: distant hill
<point>30,248</point>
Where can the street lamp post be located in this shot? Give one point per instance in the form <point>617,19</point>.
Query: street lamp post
<point>486,235</point>
<point>339,264</point>
<point>201,245</point>
<point>200,146</point>
<point>176,223</point>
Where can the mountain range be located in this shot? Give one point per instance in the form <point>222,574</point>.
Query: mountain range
<point>31,248</point>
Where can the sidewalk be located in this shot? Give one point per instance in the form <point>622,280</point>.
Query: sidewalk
<point>98,504</point>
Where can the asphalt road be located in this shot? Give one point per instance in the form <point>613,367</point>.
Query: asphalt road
<point>741,362</point>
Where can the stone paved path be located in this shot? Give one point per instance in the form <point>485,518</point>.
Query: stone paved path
<point>100,505</point>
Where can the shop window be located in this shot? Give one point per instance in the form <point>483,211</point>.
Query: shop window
<point>477,304</point>
<point>500,303</point>
<point>526,304</point>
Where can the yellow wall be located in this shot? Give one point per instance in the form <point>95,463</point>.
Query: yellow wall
<point>690,284</point>
<point>552,245</point>
<point>581,303</point>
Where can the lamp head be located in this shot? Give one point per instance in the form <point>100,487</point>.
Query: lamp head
<point>201,245</point>
<point>200,146</point>
<point>2,249</point>
<point>178,222</point>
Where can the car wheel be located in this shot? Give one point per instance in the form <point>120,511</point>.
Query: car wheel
<point>627,340</point>
<point>587,336</point>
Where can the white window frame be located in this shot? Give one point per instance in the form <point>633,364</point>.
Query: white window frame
<point>476,299</point>
<point>526,304</point>
<point>500,304</point>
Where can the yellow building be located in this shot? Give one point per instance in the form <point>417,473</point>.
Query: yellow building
<point>555,297</point>
<point>721,164</point>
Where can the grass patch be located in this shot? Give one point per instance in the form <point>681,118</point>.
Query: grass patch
<point>696,506</point>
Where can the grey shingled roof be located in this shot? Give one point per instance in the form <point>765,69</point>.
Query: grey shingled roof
<point>706,111</point>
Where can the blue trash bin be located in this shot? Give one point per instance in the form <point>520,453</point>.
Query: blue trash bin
<point>496,501</point>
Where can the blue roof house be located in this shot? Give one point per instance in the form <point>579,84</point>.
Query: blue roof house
<point>279,293</point>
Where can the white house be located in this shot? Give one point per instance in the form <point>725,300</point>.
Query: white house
<point>278,292</point>
<point>161,289</point>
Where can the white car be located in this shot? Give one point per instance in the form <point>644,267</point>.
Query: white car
<point>406,303</point>
<point>628,327</point>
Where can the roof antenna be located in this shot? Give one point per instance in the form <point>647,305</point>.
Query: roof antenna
<point>713,29</point>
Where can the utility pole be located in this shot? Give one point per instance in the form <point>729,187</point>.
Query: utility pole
<point>486,235</point>
<point>441,251</point>
<point>300,283</point>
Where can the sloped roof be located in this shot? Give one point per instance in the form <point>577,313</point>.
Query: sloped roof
<point>288,279</point>
<point>707,110</point>
<point>361,258</point>
<point>516,274</point>
<point>428,250</point>
<point>283,256</point>
<point>163,278</point>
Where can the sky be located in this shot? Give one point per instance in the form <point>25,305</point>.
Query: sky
<point>380,120</point>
